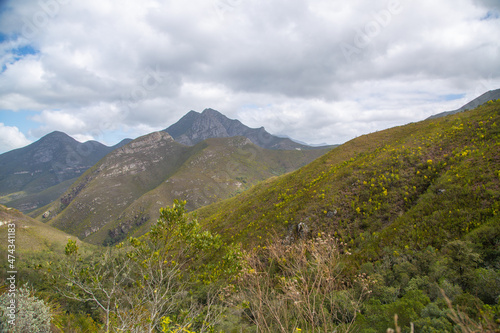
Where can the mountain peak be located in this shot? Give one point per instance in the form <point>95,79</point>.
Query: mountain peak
<point>212,112</point>
<point>57,135</point>
<point>195,127</point>
<point>50,161</point>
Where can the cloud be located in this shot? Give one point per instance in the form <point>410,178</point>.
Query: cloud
<point>316,70</point>
<point>11,138</point>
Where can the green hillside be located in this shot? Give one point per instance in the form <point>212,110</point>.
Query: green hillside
<point>31,235</point>
<point>414,214</point>
<point>416,185</point>
<point>122,194</point>
<point>33,241</point>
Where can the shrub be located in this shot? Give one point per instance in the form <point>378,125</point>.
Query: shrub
<point>301,286</point>
<point>32,315</point>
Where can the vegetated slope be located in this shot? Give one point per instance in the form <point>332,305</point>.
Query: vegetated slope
<point>195,127</point>
<point>409,187</point>
<point>30,235</point>
<point>33,176</point>
<point>34,243</point>
<point>31,249</point>
<point>122,194</point>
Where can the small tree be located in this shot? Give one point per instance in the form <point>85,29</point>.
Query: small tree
<point>99,278</point>
<point>167,261</point>
<point>141,284</point>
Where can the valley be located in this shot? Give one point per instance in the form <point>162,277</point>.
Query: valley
<point>401,222</point>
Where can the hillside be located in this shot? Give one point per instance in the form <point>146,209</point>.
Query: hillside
<point>37,174</point>
<point>195,127</point>
<point>122,194</point>
<point>31,235</point>
<point>35,243</point>
<point>411,186</point>
<point>400,222</point>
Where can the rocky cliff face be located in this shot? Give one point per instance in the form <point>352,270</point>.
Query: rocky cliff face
<point>105,190</point>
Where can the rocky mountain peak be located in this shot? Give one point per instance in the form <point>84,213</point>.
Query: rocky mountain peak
<point>212,113</point>
<point>195,127</point>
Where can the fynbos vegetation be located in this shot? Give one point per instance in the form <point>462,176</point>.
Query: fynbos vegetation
<point>397,230</point>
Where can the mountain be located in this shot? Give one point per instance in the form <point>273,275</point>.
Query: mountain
<point>195,127</point>
<point>418,185</point>
<point>33,176</point>
<point>121,194</point>
<point>484,98</point>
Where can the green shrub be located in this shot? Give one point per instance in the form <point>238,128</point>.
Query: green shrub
<point>408,308</point>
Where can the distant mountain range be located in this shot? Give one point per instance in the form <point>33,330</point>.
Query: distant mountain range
<point>35,175</point>
<point>39,173</point>
<point>484,98</point>
<point>195,127</point>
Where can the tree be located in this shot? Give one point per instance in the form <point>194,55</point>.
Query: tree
<point>140,284</point>
<point>461,260</point>
<point>99,278</point>
<point>167,261</point>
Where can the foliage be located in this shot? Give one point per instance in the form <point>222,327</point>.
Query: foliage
<point>300,286</point>
<point>98,278</point>
<point>137,285</point>
<point>31,313</point>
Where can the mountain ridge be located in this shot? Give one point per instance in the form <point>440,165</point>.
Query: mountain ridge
<point>43,166</point>
<point>195,127</point>
<point>484,98</point>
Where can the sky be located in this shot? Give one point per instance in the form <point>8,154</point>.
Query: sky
<point>318,71</point>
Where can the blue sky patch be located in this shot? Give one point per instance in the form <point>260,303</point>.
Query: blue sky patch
<point>21,119</point>
<point>491,15</point>
<point>25,50</point>
<point>3,37</point>
<point>452,97</point>
<point>15,53</point>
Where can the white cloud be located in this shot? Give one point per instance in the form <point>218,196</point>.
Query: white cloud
<point>11,138</point>
<point>316,70</point>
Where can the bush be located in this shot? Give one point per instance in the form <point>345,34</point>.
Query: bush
<point>32,315</point>
<point>303,286</point>
<point>486,285</point>
<point>408,308</point>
